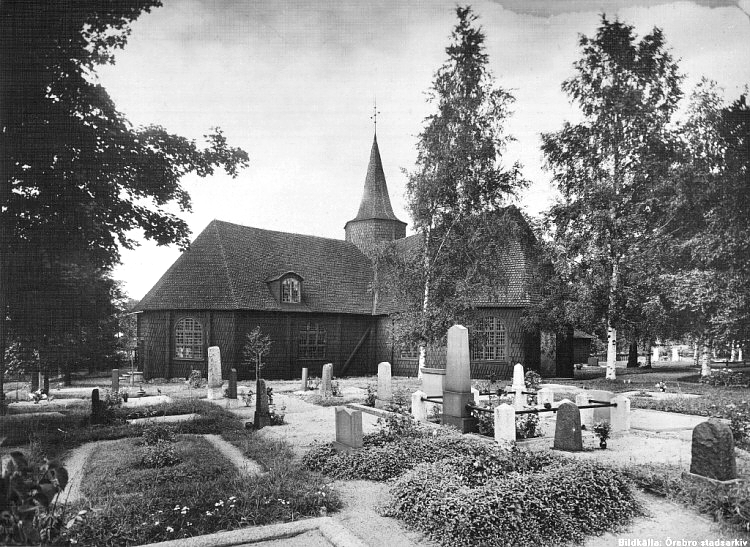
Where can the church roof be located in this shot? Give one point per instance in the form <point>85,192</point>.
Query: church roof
<point>228,267</point>
<point>375,201</point>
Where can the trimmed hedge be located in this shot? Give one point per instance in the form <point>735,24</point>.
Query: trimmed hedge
<point>457,505</point>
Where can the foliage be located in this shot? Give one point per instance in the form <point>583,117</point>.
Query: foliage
<point>725,377</point>
<point>78,179</point>
<point>277,417</point>
<point>160,454</point>
<point>532,380</point>
<point>527,426</point>
<point>195,380</point>
<point>202,494</point>
<point>370,397</point>
<point>610,169</point>
<point>552,505</point>
<point>602,430</point>
<point>26,497</point>
<point>154,433</point>
<point>256,346</point>
<point>455,197</point>
<point>335,388</point>
<point>246,394</point>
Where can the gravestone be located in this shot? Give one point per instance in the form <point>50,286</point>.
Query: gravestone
<point>475,395</point>
<point>620,415</point>
<point>45,383</point>
<point>232,390</point>
<point>385,392</point>
<point>325,381</point>
<point>97,408</point>
<point>518,377</point>
<point>215,380</point>
<point>545,395</point>
<point>34,382</point>
<point>593,362</point>
<point>115,380</point>
<point>304,379</point>
<point>712,453</point>
<point>505,423</point>
<point>40,382</point>
<point>655,354</point>
<point>568,428</point>
<point>262,415</point>
<point>675,354</point>
<point>457,392</point>
<point>348,429</point>
<point>587,414</point>
<point>418,406</point>
<point>600,414</point>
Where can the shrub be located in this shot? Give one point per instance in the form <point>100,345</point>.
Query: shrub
<point>370,397</point>
<point>161,454</point>
<point>527,426</point>
<point>195,379</point>
<point>154,433</point>
<point>555,505</point>
<point>602,430</point>
<point>725,377</point>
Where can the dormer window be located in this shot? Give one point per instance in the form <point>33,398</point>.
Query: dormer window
<point>290,290</point>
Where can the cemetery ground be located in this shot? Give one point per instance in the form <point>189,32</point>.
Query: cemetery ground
<point>378,493</point>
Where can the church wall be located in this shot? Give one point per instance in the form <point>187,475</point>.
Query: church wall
<point>522,347</point>
<point>343,333</point>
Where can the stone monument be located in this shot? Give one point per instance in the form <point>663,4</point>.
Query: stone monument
<point>568,428</point>
<point>457,392</point>
<point>215,381</point>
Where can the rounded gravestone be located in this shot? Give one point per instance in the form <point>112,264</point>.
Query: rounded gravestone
<point>712,453</point>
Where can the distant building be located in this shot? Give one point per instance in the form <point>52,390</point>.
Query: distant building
<point>313,296</point>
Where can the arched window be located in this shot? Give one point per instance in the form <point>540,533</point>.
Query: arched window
<point>188,339</point>
<point>312,342</point>
<point>489,341</point>
<point>290,292</point>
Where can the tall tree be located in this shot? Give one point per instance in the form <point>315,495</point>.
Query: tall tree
<point>608,166</point>
<point>456,193</point>
<point>706,236</point>
<point>75,177</point>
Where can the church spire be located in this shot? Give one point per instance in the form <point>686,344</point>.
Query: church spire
<point>375,222</point>
<point>375,200</point>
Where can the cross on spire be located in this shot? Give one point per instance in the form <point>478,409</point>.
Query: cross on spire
<point>375,113</point>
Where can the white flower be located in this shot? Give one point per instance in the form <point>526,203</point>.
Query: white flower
<point>170,529</point>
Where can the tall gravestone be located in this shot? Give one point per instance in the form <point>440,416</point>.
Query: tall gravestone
<point>304,379</point>
<point>45,383</point>
<point>97,408</point>
<point>348,429</point>
<point>568,428</point>
<point>262,414</point>
<point>712,453</point>
<point>115,380</point>
<point>232,391</point>
<point>215,380</point>
<point>326,377</point>
<point>505,423</point>
<point>385,390</point>
<point>675,354</point>
<point>457,393</point>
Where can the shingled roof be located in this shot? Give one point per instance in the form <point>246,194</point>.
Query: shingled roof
<point>228,266</point>
<point>375,201</point>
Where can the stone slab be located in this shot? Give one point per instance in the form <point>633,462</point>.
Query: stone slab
<point>658,421</point>
<point>151,400</point>
<point>661,395</point>
<point>177,418</point>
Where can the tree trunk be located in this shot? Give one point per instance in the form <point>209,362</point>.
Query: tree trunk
<point>425,304</point>
<point>648,355</point>
<point>611,351</point>
<point>733,354</point>
<point>696,356</point>
<point>706,358</point>
<point>633,354</point>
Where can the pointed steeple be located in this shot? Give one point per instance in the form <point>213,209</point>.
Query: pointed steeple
<point>375,222</point>
<point>375,200</point>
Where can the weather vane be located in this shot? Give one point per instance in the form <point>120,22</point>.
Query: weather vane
<point>375,113</point>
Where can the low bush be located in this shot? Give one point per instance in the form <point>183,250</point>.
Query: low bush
<point>160,454</point>
<point>556,505</point>
<point>153,433</point>
<point>725,377</point>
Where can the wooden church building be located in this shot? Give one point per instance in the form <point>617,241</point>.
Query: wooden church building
<point>312,295</point>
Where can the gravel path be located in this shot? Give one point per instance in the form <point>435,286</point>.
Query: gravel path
<point>74,464</point>
<point>234,455</point>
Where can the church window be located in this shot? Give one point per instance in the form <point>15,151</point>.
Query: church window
<point>312,342</point>
<point>489,340</point>
<point>188,339</point>
<point>290,290</point>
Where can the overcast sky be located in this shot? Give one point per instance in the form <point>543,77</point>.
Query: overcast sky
<point>293,83</point>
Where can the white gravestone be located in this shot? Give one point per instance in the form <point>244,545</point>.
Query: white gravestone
<point>325,389</point>
<point>675,354</point>
<point>587,414</point>
<point>458,381</point>
<point>215,380</point>
<point>505,423</point>
<point>418,406</point>
<point>385,391</point>
<point>518,377</point>
<point>619,417</point>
